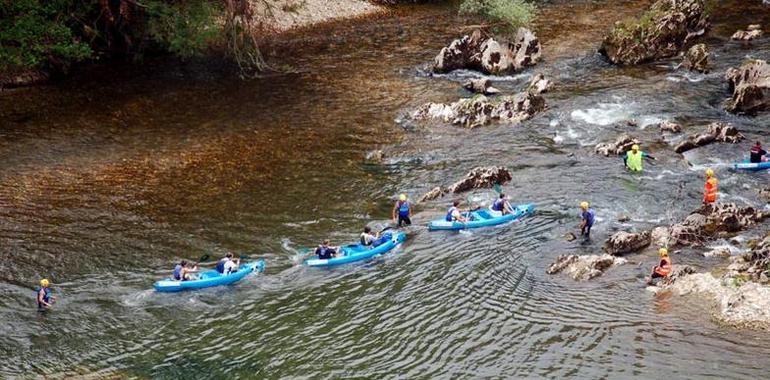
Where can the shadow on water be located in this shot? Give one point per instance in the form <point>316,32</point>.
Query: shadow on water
<point>107,180</point>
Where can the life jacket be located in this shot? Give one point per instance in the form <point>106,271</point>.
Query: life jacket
<point>403,209</point>
<point>588,215</point>
<point>46,297</point>
<point>634,161</point>
<point>756,154</point>
<point>498,205</point>
<point>382,240</point>
<point>221,265</point>
<point>178,272</point>
<point>449,214</point>
<point>664,268</point>
<point>324,252</point>
<point>710,190</point>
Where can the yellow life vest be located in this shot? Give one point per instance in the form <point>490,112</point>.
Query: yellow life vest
<point>634,161</point>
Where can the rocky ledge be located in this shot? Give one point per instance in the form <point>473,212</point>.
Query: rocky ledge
<point>483,53</point>
<point>584,267</point>
<point>750,84</point>
<point>716,132</point>
<point>707,223</point>
<point>480,110</point>
<point>620,146</point>
<point>662,32</point>
<point>625,242</point>
<point>477,178</point>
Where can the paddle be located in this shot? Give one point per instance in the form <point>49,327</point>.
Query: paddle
<point>498,189</point>
<point>202,259</point>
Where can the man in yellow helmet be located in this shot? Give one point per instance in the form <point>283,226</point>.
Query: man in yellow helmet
<point>402,211</point>
<point>663,269</point>
<point>633,158</point>
<point>587,217</point>
<point>44,297</point>
<point>710,188</point>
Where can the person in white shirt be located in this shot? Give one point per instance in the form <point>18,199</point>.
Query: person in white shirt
<point>227,264</point>
<point>367,238</point>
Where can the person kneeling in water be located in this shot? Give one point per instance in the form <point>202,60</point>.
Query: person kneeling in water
<point>182,272</point>
<point>325,251</point>
<point>454,214</point>
<point>367,238</point>
<point>663,269</point>
<point>501,205</point>
<point>227,264</point>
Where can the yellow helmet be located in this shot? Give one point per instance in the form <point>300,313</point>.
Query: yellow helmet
<point>402,197</point>
<point>44,282</point>
<point>663,252</point>
<point>584,205</point>
<point>709,172</point>
<point>635,147</point>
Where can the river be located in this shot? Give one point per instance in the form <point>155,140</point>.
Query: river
<point>108,178</point>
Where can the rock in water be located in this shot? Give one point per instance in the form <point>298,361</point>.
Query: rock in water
<point>437,192</point>
<point>664,30</point>
<point>696,58</point>
<point>482,178</point>
<point>624,242</point>
<point>707,223</point>
<point>480,86</point>
<point>668,126</point>
<point>621,145</point>
<point>485,54</point>
<point>717,132</point>
<point>750,85</point>
<point>753,32</point>
<point>479,110</point>
<point>539,84</point>
<point>678,272</point>
<point>375,156</point>
<point>584,267</point>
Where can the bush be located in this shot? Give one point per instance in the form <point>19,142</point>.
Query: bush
<point>184,29</point>
<point>512,13</point>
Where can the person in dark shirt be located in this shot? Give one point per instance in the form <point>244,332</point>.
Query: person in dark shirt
<point>757,153</point>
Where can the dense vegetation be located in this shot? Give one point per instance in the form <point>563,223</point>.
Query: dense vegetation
<point>506,13</point>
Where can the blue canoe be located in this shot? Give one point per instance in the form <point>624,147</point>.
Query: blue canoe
<point>483,218</point>
<point>751,166</point>
<point>358,252</point>
<point>210,278</point>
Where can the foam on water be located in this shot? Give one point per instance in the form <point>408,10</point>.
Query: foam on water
<point>603,115</point>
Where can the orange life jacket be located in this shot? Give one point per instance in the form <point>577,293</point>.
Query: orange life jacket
<point>664,268</point>
<point>710,190</point>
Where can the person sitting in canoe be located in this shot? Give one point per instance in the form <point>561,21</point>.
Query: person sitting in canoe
<point>402,211</point>
<point>227,264</point>
<point>757,154</point>
<point>454,214</point>
<point>367,237</point>
<point>325,251</point>
<point>183,273</point>
<point>501,205</point>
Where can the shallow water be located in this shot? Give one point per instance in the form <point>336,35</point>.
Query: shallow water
<point>107,179</point>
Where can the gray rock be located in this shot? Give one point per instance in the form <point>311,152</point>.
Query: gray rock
<point>539,84</point>
<point>750,84</point>
<point>668,126</point>
<point>620,146</point>
<point>480,110</point>
<point>480,86</point>
<point>477,178</point>
<point>717,132</point>
<point>584,267</point>
<point>485,54</point>
<point>624,242</point>
<point>696,58</point>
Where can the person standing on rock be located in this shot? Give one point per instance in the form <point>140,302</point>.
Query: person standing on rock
<point>710,188</point>
<point>402,211</point>
<point>633,158</point>
<point>663,269</point>
<point>587,217</point>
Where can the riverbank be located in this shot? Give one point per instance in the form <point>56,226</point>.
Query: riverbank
<point>284,15</point>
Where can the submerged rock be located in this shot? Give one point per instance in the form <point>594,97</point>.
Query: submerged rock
<point>678,272</point>
<point>477,178</point>
<point>539,84</point>
<point>717,132</point>
<point>750,84</point>
<point>663,31</point>
<point>584,267</point>
<point>479,110</point>
<point>696,58</point>
<point>708,222</point>
<point>668,126</point>
<point>480,86</point>
<point>621,145</point>
<point>624,242</point>
<point>485,54</point>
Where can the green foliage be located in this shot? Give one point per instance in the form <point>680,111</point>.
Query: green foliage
<point>35,33</point>
<point>184,29</point>
<point>512,13</point>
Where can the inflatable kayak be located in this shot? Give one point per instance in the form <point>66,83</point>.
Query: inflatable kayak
<point>483,218</point>
<point>357,252</point>
<point>752,166</point>
<point>210,278</point>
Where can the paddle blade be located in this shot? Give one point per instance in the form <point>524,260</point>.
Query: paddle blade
<point>204,258</point>
<point>498,188</point>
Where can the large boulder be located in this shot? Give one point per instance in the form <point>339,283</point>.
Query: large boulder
<point>750,84</point>
<point>485,54</point>
<point>480,110</point>
<point>662,32</point>
<point>620,146</point>
<point>584,267</point>
<point>707,223</point>
<point>696,58</point>
<point>477,178</point>
<point>625,242</point>
<point>716,132</point>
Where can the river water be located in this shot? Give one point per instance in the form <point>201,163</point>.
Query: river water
<point>108,178</point>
